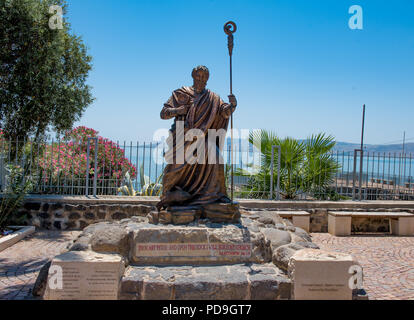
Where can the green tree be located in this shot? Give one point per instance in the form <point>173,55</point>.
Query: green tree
<point>305,166</point>
<point>43,71</point>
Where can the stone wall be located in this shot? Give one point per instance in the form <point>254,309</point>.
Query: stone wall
<point>75,213</point>
<point>61,216</point>
<point>370,225</point>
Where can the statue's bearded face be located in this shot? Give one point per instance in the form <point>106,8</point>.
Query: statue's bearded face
<point>200,81</point>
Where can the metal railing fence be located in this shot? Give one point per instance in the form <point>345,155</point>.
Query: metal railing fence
<point>98,166</point>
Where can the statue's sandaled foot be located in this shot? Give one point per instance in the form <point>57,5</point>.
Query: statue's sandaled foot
<point>177,197</point>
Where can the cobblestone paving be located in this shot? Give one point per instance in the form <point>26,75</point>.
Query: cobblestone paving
<point>20,263</point>
<point>387,261</point>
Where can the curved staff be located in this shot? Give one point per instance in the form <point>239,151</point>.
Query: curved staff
<point>230,28</point>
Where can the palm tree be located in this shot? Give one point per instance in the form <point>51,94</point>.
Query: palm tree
<point>305,166</point>
<point>320,167</point>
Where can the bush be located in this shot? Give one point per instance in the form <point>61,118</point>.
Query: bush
<point>62,161</point>
<point>16,189</point>
<point>305,166</point>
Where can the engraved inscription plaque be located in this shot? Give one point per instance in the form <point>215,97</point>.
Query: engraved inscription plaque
<point>193,250</point>
<point>85,276</point>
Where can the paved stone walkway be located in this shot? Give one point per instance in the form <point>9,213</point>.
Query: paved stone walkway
<point>20,264</point>
<point>387,261</point>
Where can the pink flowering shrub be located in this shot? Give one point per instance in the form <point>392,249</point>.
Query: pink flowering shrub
<point>67,159</point>
<point>3,142</point>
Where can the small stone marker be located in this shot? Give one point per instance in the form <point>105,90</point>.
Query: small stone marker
<point>84,275</point>
<point>321,275</point>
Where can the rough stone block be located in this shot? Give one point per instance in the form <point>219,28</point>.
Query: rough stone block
<point>303,234</point>
<point>276,237</point>
<point>183,217</point>
<point>101,214</point>
<point>74,216</point>
<point>110,239</point>
<point>235,282</point>
<point>269,287</point>
<point>119,216</point>
<point>41,280</point>
<point>155,289</point>
<point>196,289</point>
<point>222,212</point>
<point>282,255</point>
<point>89,215</point>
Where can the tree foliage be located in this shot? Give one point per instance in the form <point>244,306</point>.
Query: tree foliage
<point>43,72</point>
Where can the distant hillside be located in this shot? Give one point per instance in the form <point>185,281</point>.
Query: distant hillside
<point>397,148</point>
<point>346,146</point>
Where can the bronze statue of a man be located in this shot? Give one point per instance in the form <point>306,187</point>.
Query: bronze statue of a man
<point>203,182</point>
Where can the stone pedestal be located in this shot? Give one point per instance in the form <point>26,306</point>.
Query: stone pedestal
<point>181,215</point>
<point>321,275</point>
<point>198,260</point>
<point>339,225</point>
<point>222,212</point>
<point>403,226</point>
<point>235,282</point>
<point>84,275</point>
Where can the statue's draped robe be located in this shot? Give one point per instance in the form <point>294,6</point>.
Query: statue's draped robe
<point>205,182</point>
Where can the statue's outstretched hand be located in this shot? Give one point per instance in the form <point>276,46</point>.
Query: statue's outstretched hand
<point>228,109</point>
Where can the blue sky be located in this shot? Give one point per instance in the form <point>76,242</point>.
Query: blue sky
<point>298,68</point>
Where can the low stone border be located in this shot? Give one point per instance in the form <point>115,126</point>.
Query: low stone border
<point>61,216</point>
<point>15,237</point>
<point>77,212</point>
